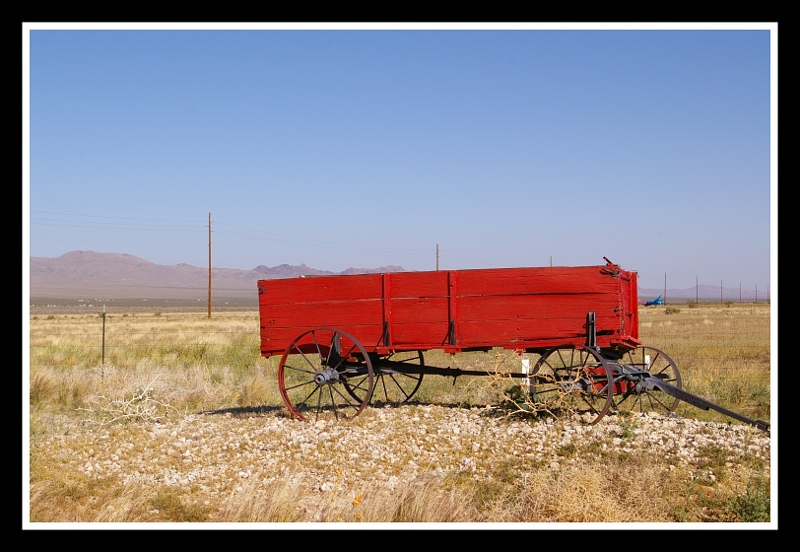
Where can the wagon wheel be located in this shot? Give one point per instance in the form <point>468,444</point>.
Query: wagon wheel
<point>637,399</point>
<point>573,379</point>
<point>313,371</point>
<point>393,385</point>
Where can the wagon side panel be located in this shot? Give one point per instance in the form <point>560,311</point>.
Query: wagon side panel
<point>538,308</point>
<point>288,307</point>
<point>520,308</point>
<point>417,306</point>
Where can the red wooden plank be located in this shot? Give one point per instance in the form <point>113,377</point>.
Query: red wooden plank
<point>548,280</point>
<point>419,336</point>
<point>419,284</point>
<point>431,309</point>
<point>500,332</point>
<point>274,341</point>
<point>320,288</point>
<point>535,306</point>
<point>326,313</point>
<point>280,338</point>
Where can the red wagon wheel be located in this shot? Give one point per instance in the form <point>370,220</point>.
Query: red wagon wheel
<point>636,398</point>
<point>313,371</point>
<point>575,380</point>
<point>393,386</point>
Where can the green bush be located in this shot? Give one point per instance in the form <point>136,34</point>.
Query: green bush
<point>754,504</point>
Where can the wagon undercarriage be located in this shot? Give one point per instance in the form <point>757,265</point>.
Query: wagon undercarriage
<point>332,380</point>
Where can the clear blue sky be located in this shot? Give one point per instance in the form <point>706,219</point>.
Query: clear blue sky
<point>363,148</point>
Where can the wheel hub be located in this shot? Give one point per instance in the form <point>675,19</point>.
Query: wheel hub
<point>326,376</point>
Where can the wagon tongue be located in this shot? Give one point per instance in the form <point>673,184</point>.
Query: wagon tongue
<point>654,382</point>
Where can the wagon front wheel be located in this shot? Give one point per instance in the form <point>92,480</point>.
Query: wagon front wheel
<point>315,370</point>
<point>573,380</point>
<point>635,398</point>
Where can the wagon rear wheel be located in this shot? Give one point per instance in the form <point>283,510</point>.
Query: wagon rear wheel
<point>575,380</point>
<point>313,371</point>
<point>637,399</point>
<point>394,384</point>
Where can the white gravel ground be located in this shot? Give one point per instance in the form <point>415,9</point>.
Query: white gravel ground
<point>382,449</point>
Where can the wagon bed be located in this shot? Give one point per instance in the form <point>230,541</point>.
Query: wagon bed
<point>526,309</point>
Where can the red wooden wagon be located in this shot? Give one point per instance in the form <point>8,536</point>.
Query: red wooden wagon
<point>346,341</point>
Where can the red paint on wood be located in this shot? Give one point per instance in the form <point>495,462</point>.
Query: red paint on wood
<point>520,308</point>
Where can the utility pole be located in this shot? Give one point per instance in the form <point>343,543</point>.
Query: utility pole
<point>437,257</point>
<point>665,288</point>
<point>103,360</point>
<point>209,264</point>
<point>697,289</point>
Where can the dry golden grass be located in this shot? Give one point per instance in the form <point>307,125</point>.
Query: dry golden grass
<point>722,351</point>
<point>161,370</point>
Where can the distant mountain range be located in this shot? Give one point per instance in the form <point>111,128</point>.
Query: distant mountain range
<point>89,274</point>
